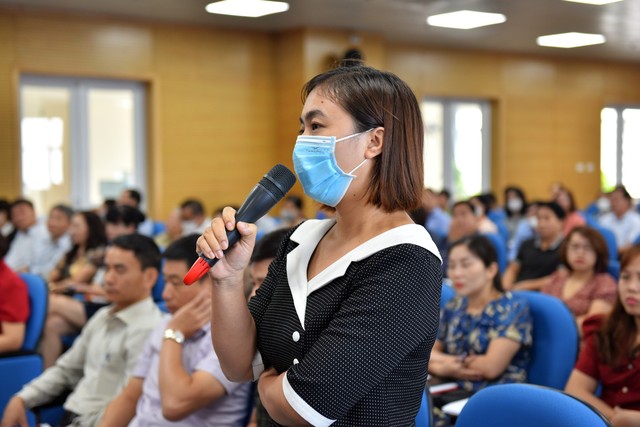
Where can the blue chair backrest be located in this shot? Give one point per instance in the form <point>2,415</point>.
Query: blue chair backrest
<point>447,293</point>
<point>610,239</point>
<point>423,419</point>
<point>501,250</point>
<point>38,302</point>
<point>555,340</point>
<point>158,228</point>
<point>526,405</point>
<point>158,288</point>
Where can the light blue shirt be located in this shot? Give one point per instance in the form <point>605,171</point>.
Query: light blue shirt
<point>22,251</point>
<point>438,222</point>
<point>626,229</point>
<point>48,253</point>
<point>197,355</point>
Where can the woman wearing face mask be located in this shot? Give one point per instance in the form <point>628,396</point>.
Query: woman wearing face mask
<point>341,329</point>
<point>515,206</point>
<point>480,208</point>
<point>610,357</point>
<point>587,289</point>
<point>484,333</point>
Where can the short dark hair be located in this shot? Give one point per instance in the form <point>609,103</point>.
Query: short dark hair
<point>555,208</point>
<point>596,241</point>
<point>22,201</point>
<point>296,200</point>
<point>5,206</point>
<point>194,205</point>
<point>463,203</point>
<point>135,195</point>
<point>268,246</point>
<point>482,247</point>
<point>374,99</point>
<point>126,215</point>
<point>4,246</point>
<point>143,247</point>
<point>65,209</point>
<point>183,249</point>
<point>622,190</point>
<point>446,193</point>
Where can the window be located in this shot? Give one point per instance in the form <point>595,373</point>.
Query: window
<point>457,146</point>
<point>82,140</point>
<point>620,148</point>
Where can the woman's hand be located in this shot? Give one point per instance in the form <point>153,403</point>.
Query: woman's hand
<point>214,241</point>
<point>452,366</point>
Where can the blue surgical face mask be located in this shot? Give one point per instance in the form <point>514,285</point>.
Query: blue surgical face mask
<point>314,160</point>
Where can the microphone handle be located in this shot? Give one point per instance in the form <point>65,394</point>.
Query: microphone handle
<point>232,237</point>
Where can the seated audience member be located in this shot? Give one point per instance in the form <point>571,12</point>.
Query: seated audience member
<point>264,252</point>
<point>481,207</point>
<point>173,230</point>
<point>437,221</point>
<point>193,217</point>
<point>292,211</point>
<point>538,257</point>
<point>14,305</point>
<point>28,233</point>
<point>610,357</point>
<point>73,274</point>
<point>105,207</point>
<point>515,207</point>
<point>586,288</point>
<point>103,357</point>
<point>623,220</point>
<point>573,218</point>
<point>444,199</point>
<point>464,222</point>
<point>525,230</point>
<point>6,227</point>
<point>122,220</point>
<point>178,376</point>
<point>484,334</point>
<point>133,198</point>
<point>53,248</point>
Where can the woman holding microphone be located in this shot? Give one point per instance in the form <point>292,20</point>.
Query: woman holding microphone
<point>341,330</point>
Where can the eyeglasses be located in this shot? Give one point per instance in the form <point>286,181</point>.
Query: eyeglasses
<point>575,247</point>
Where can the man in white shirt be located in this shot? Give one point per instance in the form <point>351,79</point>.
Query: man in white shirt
<point>101,360</point>
<point>29,233</point>
<point>58,242</point>
<point>623,220</point>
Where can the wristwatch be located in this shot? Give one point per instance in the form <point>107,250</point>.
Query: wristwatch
<point>174,335</point>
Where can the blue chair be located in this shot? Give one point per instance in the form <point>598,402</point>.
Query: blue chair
<point>610,239</point>
<point>17,369</point>
<point>425,414</point>
<point>526,405</point>
<point>501,250</point>
<point>158,228</point>
<point>447,294</point>
<point>158,288</point>
<point>637,241</point>
<point>555,340</point>
<point>614,269</point>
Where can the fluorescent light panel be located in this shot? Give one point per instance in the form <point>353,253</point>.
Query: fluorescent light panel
<point>465,19</point>
<point>569,40</point>
<point>594,2</point>
<point>247,8</point>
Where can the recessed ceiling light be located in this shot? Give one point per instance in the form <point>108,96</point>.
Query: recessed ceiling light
<point>568,40</point>
<point>465,19</point>
<point>595,2</point>
<point>247,8</point>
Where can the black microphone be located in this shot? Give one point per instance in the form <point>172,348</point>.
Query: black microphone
<point>270,190</point>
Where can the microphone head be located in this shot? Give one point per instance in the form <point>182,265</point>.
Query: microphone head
<point>278,180</point>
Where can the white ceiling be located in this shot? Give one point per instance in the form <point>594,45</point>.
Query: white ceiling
<point>404,20</point>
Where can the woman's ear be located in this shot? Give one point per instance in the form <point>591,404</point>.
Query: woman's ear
<point>375,143</point>
<point>492,270</point>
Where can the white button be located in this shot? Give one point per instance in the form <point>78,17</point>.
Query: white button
<point>625,389</point>
<point>296,361</point>
<point>296,336</point>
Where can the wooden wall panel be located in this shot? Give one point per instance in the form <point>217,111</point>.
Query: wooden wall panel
<point>9,150</point>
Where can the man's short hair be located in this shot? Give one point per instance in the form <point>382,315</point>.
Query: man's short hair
<point>555,208</point>
<point>65,209</point>
<point>296,200</point>
<point>135,195</point>
<point>194,206</point>
<point>183,249</point>
<point>267,247</point>
<point>143,247</point>
<point>126,215</point>
<point>22,201</point>
<point>623,191</point>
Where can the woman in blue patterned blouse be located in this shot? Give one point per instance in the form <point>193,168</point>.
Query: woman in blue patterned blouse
<point>484,333</point>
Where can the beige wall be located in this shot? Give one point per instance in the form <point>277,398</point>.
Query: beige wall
<point>224,105</point>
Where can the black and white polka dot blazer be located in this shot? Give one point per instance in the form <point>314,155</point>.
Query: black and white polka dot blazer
<point>355,340</point>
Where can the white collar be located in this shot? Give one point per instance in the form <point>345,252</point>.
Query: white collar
<point>309,234</point>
